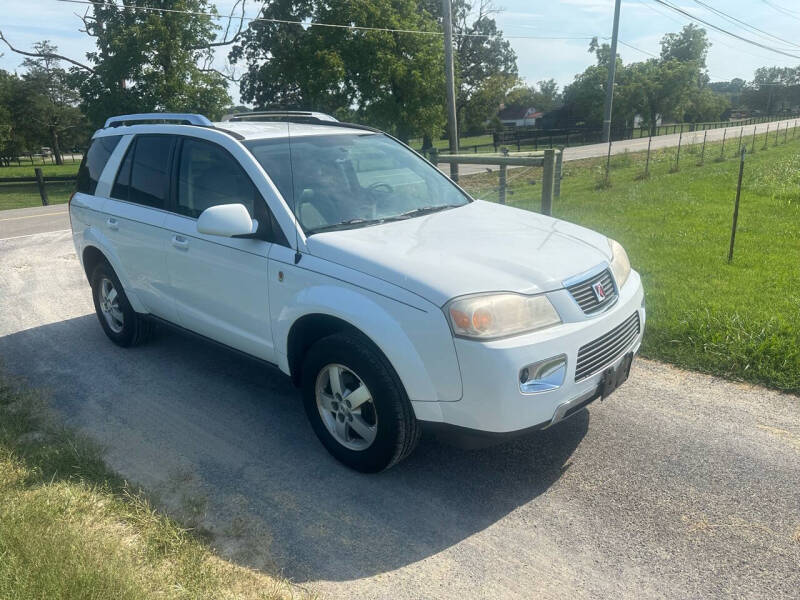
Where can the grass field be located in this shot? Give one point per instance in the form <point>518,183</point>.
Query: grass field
<point>737,320</point>
<point>71,529</point>
<point>21,195</point>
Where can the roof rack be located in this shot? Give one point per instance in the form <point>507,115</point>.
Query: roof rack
<point>182,118</point>
<point>293,116</point>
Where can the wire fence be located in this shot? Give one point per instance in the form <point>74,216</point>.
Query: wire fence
<point>529,138</point>
<point>695,150</point>
<point>41,159</point>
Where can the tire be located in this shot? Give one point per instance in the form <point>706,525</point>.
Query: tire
<point>396,430</point>
<point>123,325</point>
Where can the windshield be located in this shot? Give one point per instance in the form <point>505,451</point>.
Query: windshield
<point>347,180</point>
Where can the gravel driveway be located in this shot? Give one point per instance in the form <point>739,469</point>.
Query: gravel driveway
<point>679,486</point>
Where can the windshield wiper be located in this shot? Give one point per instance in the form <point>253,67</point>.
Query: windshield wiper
<point>349,224</point>
<point>344,225</point>
<point>424,210</point>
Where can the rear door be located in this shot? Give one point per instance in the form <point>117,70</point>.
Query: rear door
<point>218,284</point>
<point>134,219</point>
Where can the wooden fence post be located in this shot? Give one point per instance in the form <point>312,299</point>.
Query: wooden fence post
<point>647,163</point>
<point>547,181</point>
<point>40,183</point>
<point>722,151</point>
<point>703,151</point>
<point>559,173</point>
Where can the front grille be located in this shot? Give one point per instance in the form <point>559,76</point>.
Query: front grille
<point>598,354</point>
<point>586,297</point>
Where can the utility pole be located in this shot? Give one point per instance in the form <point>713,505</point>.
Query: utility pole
<point>452,122</point>
<point>612,71</point>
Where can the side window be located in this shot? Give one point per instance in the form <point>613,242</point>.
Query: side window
<point>122,183</point>
<point>207,176</point>
<point>94,161</point>
<point>149,170</point>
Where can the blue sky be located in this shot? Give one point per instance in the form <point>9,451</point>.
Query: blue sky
<point>642,24</point>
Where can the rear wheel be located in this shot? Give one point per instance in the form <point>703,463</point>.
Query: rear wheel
<point>356,403</point>
<point>123,325</point>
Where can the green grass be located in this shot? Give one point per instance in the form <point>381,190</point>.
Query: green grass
<point>738,320</point>
<point>27,170</point>
<point>72,529</point>
<point>22,195</point>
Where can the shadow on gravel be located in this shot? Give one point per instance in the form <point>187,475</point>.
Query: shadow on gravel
<point>239,431</point>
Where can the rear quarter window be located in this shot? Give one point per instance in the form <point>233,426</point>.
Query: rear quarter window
<point>94,161</point>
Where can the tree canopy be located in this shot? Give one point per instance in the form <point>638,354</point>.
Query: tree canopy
<point>151,60</point>
<point>387,78</point>
<point>673,86</point>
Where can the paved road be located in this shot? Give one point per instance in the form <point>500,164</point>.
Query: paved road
<point>20,222</point>
<point>679,486</point>
<point>661,141</point>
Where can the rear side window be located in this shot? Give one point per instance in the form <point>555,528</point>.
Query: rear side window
<point>94,161</point>
<point>143,177</point>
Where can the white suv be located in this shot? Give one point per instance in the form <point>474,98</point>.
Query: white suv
<point>392,298</point>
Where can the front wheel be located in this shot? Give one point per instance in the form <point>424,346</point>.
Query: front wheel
<point>356,403</point>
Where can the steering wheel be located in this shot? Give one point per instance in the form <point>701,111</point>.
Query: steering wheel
<point>380,186</point>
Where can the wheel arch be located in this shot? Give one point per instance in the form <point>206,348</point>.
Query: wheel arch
<point>312,327</point>
<point>93,252</point>
<point>92,256</point>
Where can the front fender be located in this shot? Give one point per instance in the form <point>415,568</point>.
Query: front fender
<point>417,342</point>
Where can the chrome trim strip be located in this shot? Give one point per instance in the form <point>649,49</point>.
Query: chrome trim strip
<point>596,270</point>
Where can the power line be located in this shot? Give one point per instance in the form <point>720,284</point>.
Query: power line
<point>669,16</point>
<point>723,30</point>
<point>309,23</point>
<point>734,20</point>
<point>632,47</point>
<point>782,10</point>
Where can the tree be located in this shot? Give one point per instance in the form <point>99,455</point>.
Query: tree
<point>151,60</point>
<point>393,80</point>
<point>732,90</point>
<point>690,45</point>
<point>662,88</point>
<point>53,101</point>
<point>773,89</point>
<point>544,96</point>
<point>485,63</point>
<point>706,105</point>
<point>671,86</point>
<point>583,98</point>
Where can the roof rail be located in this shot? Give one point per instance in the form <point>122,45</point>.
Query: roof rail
<point>182,118</point>
<point>294,116</point>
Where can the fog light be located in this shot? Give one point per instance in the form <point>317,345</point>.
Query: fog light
<point>543,376</point>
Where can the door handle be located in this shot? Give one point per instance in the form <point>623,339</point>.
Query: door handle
<point>180,242</point>
<point>112,223</point>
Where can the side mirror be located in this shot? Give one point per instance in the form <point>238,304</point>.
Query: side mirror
<point>226,220</point>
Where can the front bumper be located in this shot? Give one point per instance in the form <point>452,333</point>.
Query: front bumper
<point>492,401</point>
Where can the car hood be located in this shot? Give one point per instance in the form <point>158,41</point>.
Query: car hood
<point>479,247</point>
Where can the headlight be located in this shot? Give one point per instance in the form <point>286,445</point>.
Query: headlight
<point>499,315</point>
<point>620,265</point>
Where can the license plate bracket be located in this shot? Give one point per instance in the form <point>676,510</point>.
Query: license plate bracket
<point>613,377</point>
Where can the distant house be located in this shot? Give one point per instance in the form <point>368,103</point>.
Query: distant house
<point>514,116</point>
<point>638,121</point>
